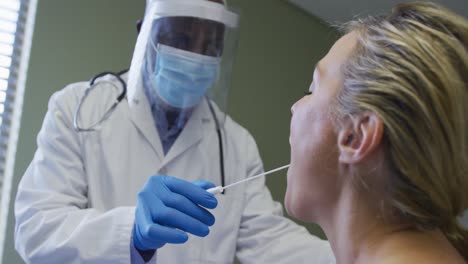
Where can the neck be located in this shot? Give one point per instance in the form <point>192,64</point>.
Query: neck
<point>355,227</point>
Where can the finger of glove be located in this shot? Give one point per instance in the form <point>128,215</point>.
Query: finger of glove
<point>156,193</point>
<point>157,236</point>
<point>168,234</point>
<point>173,218</point>
<point>151,235</point>
<point>138,240</point>
<point>145,242</point>
<point>193,192</point>
<point>186,206</point>
<point>204,184</point>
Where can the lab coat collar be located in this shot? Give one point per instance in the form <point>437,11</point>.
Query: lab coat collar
<point>196,127</point>
<point>140,112</point>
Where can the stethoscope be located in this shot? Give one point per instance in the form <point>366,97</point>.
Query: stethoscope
<point>93,84</point>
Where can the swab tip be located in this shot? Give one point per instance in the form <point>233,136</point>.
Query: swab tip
<point>215,190</point>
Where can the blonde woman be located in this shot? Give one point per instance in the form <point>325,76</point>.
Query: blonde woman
<point>379,151</point>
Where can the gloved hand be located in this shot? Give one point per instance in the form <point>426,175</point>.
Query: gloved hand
<point>168,207</point>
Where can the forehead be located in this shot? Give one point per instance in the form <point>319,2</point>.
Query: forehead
<point>339,54</point>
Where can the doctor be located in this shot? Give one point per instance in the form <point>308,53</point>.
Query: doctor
<point>96,190</point>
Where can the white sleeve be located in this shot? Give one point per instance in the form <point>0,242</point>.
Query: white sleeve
<point>53,221</point>
<point>265,235</point>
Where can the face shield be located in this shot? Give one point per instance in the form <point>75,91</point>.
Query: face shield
<point>184,55</point>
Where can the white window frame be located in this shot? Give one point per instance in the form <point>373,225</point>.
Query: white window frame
<point>13,105</point>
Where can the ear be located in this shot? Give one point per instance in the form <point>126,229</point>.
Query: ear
<point>359,137</point>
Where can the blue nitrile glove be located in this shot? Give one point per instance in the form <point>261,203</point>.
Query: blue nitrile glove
<point>167,208</point>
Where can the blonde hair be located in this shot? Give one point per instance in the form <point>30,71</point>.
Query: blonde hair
<point>411,69</point>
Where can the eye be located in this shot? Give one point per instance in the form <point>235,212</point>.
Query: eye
<point>307,93</point>
<point>212,50</point>
<point>176,40</point>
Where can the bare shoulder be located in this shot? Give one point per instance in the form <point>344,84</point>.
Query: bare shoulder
<point>427,247</point>
<point>427,258</point>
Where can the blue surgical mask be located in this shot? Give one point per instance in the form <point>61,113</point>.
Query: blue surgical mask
<point>182,78</point>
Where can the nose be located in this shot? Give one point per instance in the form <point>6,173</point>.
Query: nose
<point>197,43</point>
<point>198,46</point>
<point>293,107</point>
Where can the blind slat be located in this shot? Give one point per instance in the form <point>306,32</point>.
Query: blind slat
<point>7,38</point>
<point>7,26</point>
<point>10,5</point>
<point>4,73</point>
<point>5,61</point>
<point>3,84</point>
<point>9,15</point>
<point>6,49</point>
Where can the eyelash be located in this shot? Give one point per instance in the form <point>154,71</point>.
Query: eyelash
<point>307,93</point>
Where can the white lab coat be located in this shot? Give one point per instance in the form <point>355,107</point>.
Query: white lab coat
<point>76,201</point>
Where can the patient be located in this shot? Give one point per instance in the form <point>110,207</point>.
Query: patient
<point>379,151</point>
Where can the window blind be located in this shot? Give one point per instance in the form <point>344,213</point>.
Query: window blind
<point>16,27</point>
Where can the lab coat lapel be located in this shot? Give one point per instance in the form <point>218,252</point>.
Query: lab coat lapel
<point>142,118</point>
<point>196,127</point>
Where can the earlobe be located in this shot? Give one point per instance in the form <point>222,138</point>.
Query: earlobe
<point>360,137</point>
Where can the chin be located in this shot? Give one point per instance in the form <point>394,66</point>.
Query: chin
<point>288,206</point>
<point>302,205</point>
<point>297,213</point>
<point>294,207</point>
<point>290,201</point>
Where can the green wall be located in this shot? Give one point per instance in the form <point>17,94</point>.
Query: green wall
<point>74,40</point>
